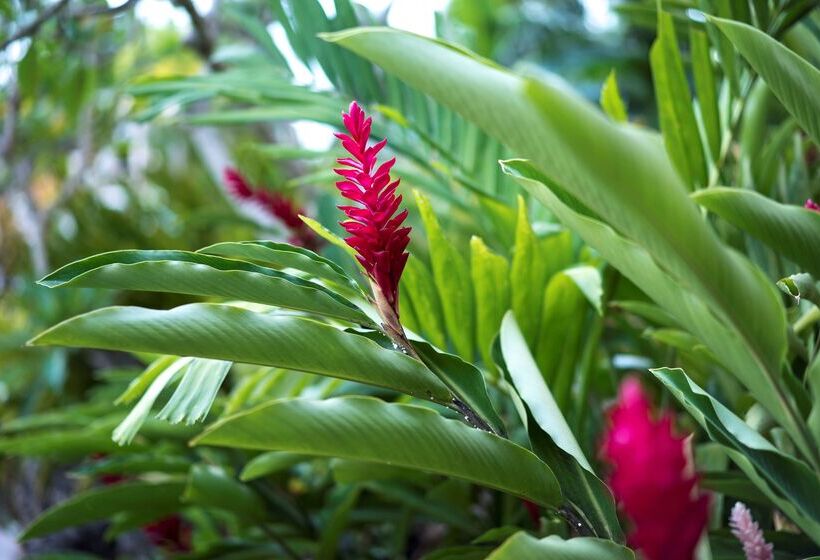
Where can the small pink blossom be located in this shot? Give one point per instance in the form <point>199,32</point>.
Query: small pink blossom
<point>812,205</point>
<point>748,532</point>
<point>652,478</point>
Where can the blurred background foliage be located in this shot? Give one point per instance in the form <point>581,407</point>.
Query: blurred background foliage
<point>118,122</point>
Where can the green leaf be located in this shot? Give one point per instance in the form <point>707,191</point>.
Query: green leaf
<point>332,529</point>
<point>722,336</point>
<point>155,498</point>
<point>210,486</point>
<point>706,88</point>
<point>522,546</point>
<point>559,338</point>
<point>328,235</point>
<point>124,433</point>
<point>588,279</point>
<point>423,297</point>
<point>791,230</point>
<point>140,384</point>
<point>224,332</point>
<point>283,256</point>
<point>271,463</point>
<point>528,277</point>
<point>611,101</point>
<point>789,483</point>
<point>452,278</point>
<point>199,274</point>
<point>367,429</point>
<point>801,286</point>
<point>196,392</point>
<point>813,376</point>
<point>464,379</point>
<point>676,115</point>
<point>553,439</point>
<point>491,281</point>
<point>794,81</point>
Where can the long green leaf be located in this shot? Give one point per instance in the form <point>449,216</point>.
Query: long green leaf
<point>790,230</point>
<point>229,333</point>
<point>282,255</point>
<point>677,118</point>
<point>157,499</point>
<point>553,439</point>
<point>424,300</point>
<point>367,429</point>
<point>793,80</point>
<point>559,336</point>
<point>706,88</point>
<point>452,278</point>
<point>199,274</point>
<point>491,281</point>
<point>528,277</point>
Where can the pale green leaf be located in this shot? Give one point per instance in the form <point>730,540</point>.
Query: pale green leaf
<point>793,80</point>
<point>611,101</point>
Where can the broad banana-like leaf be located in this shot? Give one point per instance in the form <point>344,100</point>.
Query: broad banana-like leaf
<point>224,332</point>
<point>368,429</point>
<point>183,272</point>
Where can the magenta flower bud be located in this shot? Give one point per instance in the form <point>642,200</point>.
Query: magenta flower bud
<point>652,479</point>
<point>812,205</point>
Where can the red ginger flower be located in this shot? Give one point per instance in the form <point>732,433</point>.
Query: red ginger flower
<point>812,205</point>
<point>373,225</point>
<point>274,204</point>
<point>652,479</point>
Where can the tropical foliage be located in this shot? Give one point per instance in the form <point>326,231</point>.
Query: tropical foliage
<point>224,376</point>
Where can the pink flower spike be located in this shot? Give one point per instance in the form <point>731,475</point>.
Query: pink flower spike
<point>237,185</point>
<point>812,205</point>
<point>748,532</point>
<point>373,225</point>
<point>275,204</point>
<point>652,478</point>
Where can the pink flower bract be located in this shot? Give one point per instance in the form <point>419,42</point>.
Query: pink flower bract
<point>652,479</point>
<point>748,532</point>
<point>373,225</point>
<point>812,205</point>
